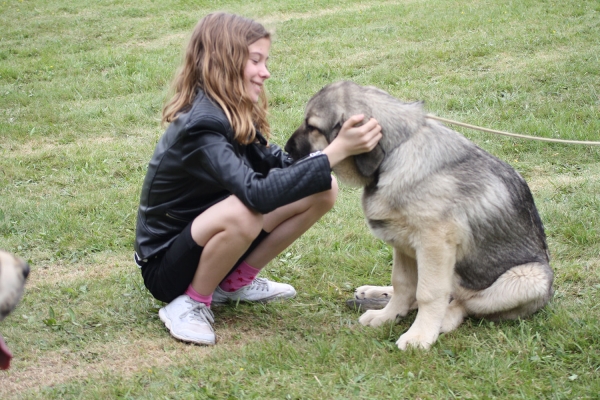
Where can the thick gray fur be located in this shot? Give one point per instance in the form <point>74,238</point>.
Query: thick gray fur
<point>441,202</point>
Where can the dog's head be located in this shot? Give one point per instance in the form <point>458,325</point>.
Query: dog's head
<point>13,273</point>
<point>324,116</point>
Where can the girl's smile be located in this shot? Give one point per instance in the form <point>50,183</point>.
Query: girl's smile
<point>256,72</point>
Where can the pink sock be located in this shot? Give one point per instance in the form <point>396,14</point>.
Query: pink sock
<point>243,275</point>
<point>198,297</point>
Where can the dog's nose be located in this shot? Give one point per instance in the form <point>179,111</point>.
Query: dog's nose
<point>25,270</point>
<point>289,147</point>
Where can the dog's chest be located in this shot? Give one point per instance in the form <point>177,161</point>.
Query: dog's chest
<point>347,173</point>
<point>386,222</point>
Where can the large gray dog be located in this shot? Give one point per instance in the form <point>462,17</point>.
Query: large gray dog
<point>13,273</point>
<point>467,237</point>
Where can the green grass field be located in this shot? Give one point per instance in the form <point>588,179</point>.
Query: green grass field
<point>82,86</point>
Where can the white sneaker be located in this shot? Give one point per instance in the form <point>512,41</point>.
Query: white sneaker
<point>189,320</point>
<point>260,290</point>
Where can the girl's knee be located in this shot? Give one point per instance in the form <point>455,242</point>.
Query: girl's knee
<point>244,220</point>
<point>230,217</point>
<point>334,188</point>
<point>327,199</point>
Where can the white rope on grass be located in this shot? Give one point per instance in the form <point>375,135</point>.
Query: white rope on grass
<point>478,128</point>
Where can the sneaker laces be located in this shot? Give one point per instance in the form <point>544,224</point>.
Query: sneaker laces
<point>259,284</point>
<point>200,312</point>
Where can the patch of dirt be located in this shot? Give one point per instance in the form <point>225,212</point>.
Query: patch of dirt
<point>44,369</point>
<point>126,357</point>
<point>537,184</point>
<point>99,267</point>
<point>272,19</point>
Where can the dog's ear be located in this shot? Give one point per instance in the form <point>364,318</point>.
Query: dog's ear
<point>336,129</point>
<point>367,163</point>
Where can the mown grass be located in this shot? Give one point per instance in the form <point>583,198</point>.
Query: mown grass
<point>81,88</point>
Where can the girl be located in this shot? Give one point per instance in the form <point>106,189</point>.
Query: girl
<point>218,201</point>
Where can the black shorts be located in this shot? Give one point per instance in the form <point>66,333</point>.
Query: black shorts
<point>168,274</point>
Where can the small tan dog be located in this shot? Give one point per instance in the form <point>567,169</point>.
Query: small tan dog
<point>13,274</point>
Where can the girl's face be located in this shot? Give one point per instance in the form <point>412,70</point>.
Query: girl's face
<point>256,72</point>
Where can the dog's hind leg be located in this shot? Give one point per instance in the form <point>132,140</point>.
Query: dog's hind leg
<point>518,293</point>
<point>455,315</point>
<point>404,281</point>
<point>456,312</point>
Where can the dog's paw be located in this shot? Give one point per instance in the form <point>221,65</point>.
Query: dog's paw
<point>370,298</point>
<point>366,304</point>
<point>417,339</point>
<point>376,318</point>
<point>373,292</point>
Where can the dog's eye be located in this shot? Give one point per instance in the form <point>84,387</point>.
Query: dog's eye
<point>312,128</point>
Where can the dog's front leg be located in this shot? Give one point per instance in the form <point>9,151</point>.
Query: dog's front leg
<point>435,265</point>
<point>404,281</point>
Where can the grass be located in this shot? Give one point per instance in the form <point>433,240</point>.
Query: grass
<point>81,88</point>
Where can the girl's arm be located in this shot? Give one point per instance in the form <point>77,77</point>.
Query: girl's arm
<point>210,158</point>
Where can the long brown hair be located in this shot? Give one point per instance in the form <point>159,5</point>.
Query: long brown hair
<point>214,61</point>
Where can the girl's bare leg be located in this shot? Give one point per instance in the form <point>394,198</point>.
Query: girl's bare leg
<point>225,230</point>
<point>288,223</point>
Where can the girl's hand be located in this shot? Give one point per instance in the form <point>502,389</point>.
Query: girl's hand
<point>353,139</point>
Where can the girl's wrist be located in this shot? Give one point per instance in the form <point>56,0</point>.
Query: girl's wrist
<point>334,154</point>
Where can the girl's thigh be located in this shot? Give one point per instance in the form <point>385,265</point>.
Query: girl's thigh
<point>319,202</point>
<point>168,275</point>
<point>229,213</point>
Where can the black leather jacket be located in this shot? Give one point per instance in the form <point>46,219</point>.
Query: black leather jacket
<point>197,163</point>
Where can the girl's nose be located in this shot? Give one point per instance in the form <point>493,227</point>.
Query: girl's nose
<point>265,73</point>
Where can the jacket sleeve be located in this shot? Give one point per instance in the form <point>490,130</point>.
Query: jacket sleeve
<point>277,156</point>
<point>280,155</point>
<point>208,154</point>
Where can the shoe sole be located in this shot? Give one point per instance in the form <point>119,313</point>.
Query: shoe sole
<point>167,323</point>
<point>263,300</point>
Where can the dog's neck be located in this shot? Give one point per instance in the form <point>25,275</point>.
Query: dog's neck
<point>348,174</point>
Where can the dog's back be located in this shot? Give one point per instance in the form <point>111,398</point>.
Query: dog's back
<point>433,172</point>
